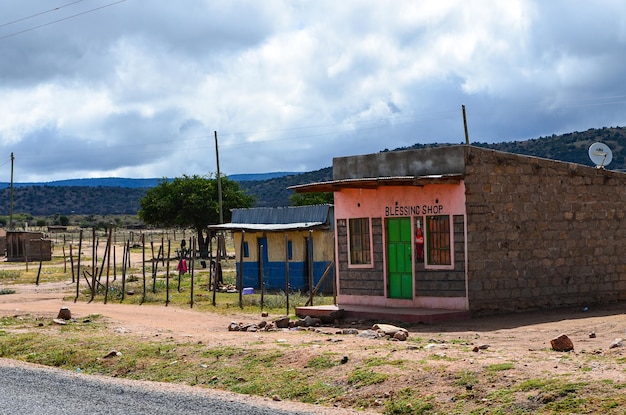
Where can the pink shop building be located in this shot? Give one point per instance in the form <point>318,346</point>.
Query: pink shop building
<point>451,231</point>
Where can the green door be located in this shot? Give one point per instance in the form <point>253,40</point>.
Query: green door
<point>399,263</point>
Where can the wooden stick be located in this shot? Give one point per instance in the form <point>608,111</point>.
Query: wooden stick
<point>167,275</point>
<point>143,266</point>
<point>72,262</point>
<point>287,270</point>
<point>153,263</point>
<point>262,250</point>
<point>40,262</point>
<point>191,271</point>
<point>93,264</point>
<point>108,257</point>
<point>240,279</point>
<point>124,268</point>
<point>80,245</point>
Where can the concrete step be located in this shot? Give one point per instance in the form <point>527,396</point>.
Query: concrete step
<point>328,313</point>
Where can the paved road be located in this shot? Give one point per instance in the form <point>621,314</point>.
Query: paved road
<point>26,390</point>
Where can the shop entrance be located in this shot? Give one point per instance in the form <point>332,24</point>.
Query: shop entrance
<point>399,262</point>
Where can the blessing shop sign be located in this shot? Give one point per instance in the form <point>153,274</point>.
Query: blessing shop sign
<point>414,210</point>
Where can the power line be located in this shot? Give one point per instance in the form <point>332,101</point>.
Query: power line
<point>60,20</point>
<point>39,14</point>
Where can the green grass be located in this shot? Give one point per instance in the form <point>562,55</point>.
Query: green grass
<point>365,377</point>
<point>385,377</point>
<point>407,402</point>
<point>325,361</point>
<point>499,367</point>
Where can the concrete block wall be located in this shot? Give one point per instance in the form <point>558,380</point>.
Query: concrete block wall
<point>361,281</point>
<point>542,233</point>
<point>445,283</point>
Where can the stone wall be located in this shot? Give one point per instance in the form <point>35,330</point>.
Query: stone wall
<point>361,281</point>
<point>445,283</point>
<point>542,233</point>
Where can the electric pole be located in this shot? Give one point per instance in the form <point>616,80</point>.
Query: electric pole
<point>11,196</point>
<point>465,125</point>
<point>219,181</point>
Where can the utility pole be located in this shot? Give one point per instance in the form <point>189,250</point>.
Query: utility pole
<point>465,125</point>
<point>11,196</point>
<point>219,181</point>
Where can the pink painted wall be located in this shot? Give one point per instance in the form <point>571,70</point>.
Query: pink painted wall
<point>401,201</point>
<point>390,201</point>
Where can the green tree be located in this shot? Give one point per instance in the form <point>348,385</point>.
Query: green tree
<point>191,201</point>
<point>316,198</point>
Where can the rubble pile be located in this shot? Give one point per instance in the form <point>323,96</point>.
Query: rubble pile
<point>377,331</point>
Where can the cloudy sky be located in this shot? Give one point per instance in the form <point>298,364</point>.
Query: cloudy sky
<point>137,88</point>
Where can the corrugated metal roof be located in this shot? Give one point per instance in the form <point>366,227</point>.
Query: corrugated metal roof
<point>280,219</point>
<point>283,215</point>
<point>270,227</point>
<point>373,182</point>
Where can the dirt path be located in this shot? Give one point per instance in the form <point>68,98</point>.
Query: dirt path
<point>520,333</point>
<point>522,338</point>
<point>47,299</point>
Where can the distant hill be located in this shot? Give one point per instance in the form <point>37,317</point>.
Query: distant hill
<point>121,196</point>
<point>134,183</point>
<point>571,147</point>
<point>275,192</point>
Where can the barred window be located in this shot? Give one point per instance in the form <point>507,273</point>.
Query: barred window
<point>359,231</point>
<point>438,240</point>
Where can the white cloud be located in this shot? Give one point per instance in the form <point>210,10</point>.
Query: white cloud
<point>138,89</point>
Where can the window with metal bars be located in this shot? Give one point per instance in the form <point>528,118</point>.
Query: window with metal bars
<point>359,231</point>
<point>438,242</point>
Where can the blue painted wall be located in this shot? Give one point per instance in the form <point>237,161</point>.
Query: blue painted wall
<point>274,276</point>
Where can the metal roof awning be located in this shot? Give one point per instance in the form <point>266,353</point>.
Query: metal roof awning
<point>374,182</point>
<point>273,227</point>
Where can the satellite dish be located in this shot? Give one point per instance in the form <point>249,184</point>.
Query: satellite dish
<point>600,154</point>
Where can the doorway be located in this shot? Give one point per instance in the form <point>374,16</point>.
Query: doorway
<point>399,259</point>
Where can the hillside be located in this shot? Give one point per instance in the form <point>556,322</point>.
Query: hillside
<point>275,192</point>
<point>122,196</point>
<point>571,147</point>
<point>133,183</point>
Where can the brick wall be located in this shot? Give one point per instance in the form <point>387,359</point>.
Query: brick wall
<point>445,283</point>
<point>542,233</point>
<point>361,281</point>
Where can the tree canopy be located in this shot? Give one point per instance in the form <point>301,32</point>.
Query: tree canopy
<point>317,198</point>
<point>191,201</point>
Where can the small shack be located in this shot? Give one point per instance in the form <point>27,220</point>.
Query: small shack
<point>471,230</point>
<point>28,246</point>
<point>3,242</point>
<point>280,244</point>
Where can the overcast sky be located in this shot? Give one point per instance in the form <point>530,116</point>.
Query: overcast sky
<point>136,88</point>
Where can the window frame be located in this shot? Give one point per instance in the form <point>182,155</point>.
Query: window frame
<point>364,236</point>
<point>441,242</point>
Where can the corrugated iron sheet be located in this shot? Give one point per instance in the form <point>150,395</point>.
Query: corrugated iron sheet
<point>284,215</point>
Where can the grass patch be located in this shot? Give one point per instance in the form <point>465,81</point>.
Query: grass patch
<point>466,377</point>
<point>10,276</point>
<point>325,361</point>
<point>499,367</point>
<point>406,402</point>
<point>365,377</point>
